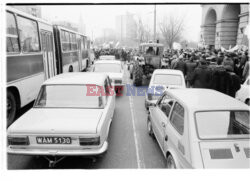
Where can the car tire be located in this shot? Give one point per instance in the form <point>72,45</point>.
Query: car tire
<point>170,162</point>
<point>137,74</point>
<point>149,127</point>
<point>11,108</point>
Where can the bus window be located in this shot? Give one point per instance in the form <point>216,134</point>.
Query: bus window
<point>28,31</point>
<point>65,40</point>
<point>73,42</point>
<point>12,38</point>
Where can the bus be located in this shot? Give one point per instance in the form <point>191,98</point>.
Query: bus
<point>30,58</point>
<point>71,50</point>
<point>36,51</point>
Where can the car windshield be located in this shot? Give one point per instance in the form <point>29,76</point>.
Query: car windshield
<point>67,96</point>
<point>222,124</point>
<point>167,79</point>
<point>108,67</point>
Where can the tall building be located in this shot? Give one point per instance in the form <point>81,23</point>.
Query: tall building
<point>126,29</point>
<point>224,25</point>
<point>33,10</point>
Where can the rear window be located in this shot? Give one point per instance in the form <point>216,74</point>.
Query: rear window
<point>222,124</point>
<point>167,79</point>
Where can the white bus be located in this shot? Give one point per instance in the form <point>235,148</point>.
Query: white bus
<point>30,58</point>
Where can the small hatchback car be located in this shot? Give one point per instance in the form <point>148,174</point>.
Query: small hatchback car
<point>201,128</point>
<point>161,80</point>
<point>71,117</point>
<point>114,69</point>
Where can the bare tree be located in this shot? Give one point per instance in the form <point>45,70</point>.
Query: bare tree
<point>171,28</point>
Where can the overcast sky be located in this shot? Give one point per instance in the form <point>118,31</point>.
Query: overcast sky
<point>97,17</point>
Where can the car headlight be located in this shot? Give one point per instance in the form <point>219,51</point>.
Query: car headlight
<point>18,140</point>
<point>89,141</point>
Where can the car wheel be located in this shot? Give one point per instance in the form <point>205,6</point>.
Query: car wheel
<point>170,162</point>
<point>247,102</point>
<point>11,108</point>
<point>149,127</point>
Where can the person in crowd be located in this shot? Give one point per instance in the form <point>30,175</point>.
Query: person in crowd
<point>234,83</point>
<point>201,76</point>
<point>228,61</point>
<point>245,73</point>
<point>190,67</point>
<point>180,65</point>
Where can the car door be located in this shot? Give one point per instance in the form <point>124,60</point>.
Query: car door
<point>110,104</point>
<point>160,120</point>
<point>175,133</point>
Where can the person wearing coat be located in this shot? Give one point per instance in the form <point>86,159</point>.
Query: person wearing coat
<point>201,76</point>
<point>234,84</point>
<point>245,73</point>
<point>180,65</point>
<point>228,62</point>
<point>190,67</point>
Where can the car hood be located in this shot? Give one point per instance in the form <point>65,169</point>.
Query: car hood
<point>226,154</point>
<point>48,120</point>
<point>159,89</point>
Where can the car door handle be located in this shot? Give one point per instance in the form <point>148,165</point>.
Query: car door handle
<point>163,124</point>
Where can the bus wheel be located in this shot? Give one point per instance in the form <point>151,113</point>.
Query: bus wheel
<point>11,108</point>
<point>70,68</point>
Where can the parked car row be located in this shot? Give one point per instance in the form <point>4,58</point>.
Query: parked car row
<point>195,128</point>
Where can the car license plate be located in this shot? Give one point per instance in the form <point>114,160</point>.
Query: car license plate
<point>53,140</point>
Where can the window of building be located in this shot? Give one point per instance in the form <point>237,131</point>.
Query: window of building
<point>177,118</point>
<point>12,45</point>
<point>28,31</point>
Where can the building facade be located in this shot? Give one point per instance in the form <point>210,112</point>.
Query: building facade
<point>224,25</point>
<point>126,29</point>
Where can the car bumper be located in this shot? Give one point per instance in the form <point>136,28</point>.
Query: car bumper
<point>61,152</point>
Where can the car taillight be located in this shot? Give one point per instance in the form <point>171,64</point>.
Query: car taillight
<point>22,140</point>
<point>89,141</point>
<point>149,96</point>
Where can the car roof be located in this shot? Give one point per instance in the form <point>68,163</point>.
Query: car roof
<point>167,71</point>
<point>108,61</point>
<point>206,99</point>
<point>78,78</point>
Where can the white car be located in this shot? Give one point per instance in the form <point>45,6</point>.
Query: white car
<point>107,57</point>
<point>201,128</point>
<point>69,118</point>
<point>161,80</point>
<point>244,93</point>
<point>113,68</point>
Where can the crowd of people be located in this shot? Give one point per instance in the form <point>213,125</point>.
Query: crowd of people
<point>221,71</point>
